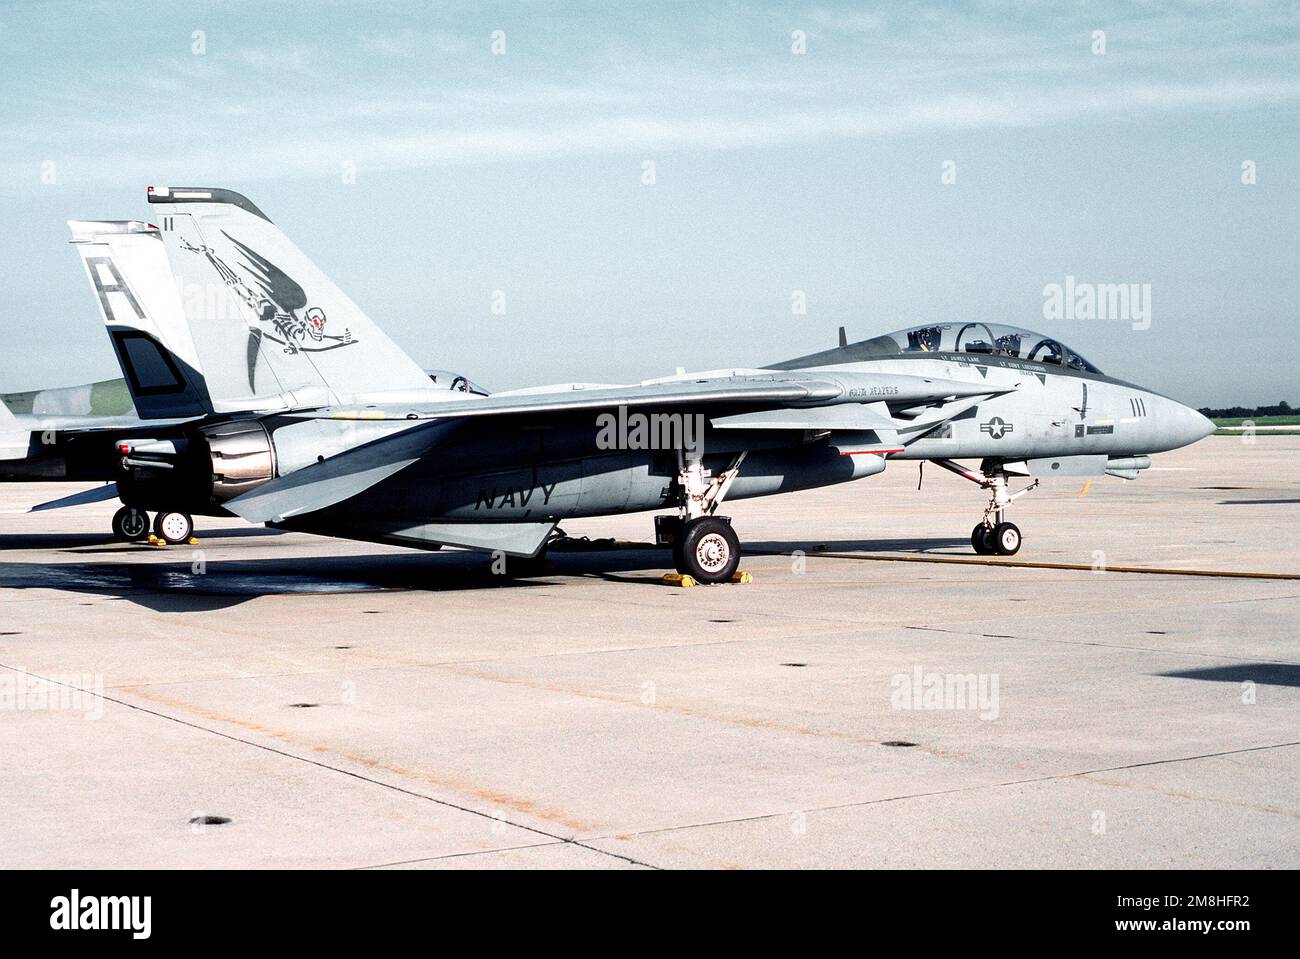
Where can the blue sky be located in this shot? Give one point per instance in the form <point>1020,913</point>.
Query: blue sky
<point>774,172</point>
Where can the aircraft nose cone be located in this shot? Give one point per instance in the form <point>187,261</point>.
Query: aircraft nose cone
<point>1174,425</point>
<point>1188,426</point>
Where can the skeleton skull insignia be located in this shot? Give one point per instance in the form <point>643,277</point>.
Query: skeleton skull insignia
<point>276,300</point>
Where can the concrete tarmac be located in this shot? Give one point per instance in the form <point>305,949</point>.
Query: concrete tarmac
<point>858,705</point>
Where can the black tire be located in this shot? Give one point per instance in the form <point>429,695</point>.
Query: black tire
<point>173,528</point>
<point>979,540</point>
<point>1006,539</point>
<point>130,525</point>
<point>710,550</point>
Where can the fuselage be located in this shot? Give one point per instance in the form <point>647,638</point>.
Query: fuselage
<point>944,395</point>
<point>553,467</point>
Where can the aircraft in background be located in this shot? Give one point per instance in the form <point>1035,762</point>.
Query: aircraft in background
<point>278,400</point>
<point>61,435</point>
<point>73,434</point>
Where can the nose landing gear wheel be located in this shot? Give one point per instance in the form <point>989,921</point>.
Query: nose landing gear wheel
<point>130,525</point>
<point>709,551</point>
<point>1006,539</point>
<point>981,541</point>
<point>173,528</point>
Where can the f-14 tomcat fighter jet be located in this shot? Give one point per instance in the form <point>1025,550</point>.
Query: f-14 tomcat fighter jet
<point>281,402</point>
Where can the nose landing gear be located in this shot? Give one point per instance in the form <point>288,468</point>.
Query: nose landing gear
<point>1002,539</point>
<point>994,536</point>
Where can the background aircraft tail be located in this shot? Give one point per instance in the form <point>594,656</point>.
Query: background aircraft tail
<point>129,273</point>
<point>266,322</point>
<point>15,442</point>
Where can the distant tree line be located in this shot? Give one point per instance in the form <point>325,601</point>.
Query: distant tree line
<point>1281,409</point>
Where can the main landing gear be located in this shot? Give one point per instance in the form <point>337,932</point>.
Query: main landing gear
<point>173,528</point>
<point>170,528</point>
<point>705,547</point>
<point>993,536</point>
<point>130,525</point>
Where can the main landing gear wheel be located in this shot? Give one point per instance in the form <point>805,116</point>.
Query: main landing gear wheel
<point>679,562</point>
<point>709,551</point>
<point>173,528</point>
<point>130,524</point>
<point>1006,539</point>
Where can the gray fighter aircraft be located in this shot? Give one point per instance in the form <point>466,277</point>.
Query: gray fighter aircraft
<point>65,434</point>
<point>29,452</point>
<point>73,434</point>
<point>278,400</point>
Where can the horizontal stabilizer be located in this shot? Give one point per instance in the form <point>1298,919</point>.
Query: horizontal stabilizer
<point>339,477</point>
<point>41,423</point>
<point>96,495</point>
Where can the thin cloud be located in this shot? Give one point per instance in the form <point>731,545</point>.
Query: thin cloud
<point>404,96</point>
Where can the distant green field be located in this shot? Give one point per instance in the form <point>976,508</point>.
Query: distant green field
<point>1259,421</point>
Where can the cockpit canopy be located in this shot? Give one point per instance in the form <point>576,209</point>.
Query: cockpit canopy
<point>990,339</point>
<point>455,381</point>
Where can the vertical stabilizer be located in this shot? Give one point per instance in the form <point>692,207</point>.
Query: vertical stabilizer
<point>129,274</point>
<point>265,319</point>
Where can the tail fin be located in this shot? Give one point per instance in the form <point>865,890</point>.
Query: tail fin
<point>129,272</point>
<point>264,318</point>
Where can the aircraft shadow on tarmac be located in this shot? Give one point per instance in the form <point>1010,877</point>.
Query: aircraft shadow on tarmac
<point>79,541</point>
<point>177,588</point>
<point>939,545</point>
<point>1262,674</point>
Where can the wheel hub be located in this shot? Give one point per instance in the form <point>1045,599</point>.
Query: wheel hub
<point>174,526</point>
<point>712,552</point>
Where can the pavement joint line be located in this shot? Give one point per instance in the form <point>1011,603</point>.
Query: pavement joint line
<point>1026,564</point>
<point>1136,649</point>
<point>323,765</point>
<point>943,792</point>
<point>471,852</point>
<point>1253,599</point>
